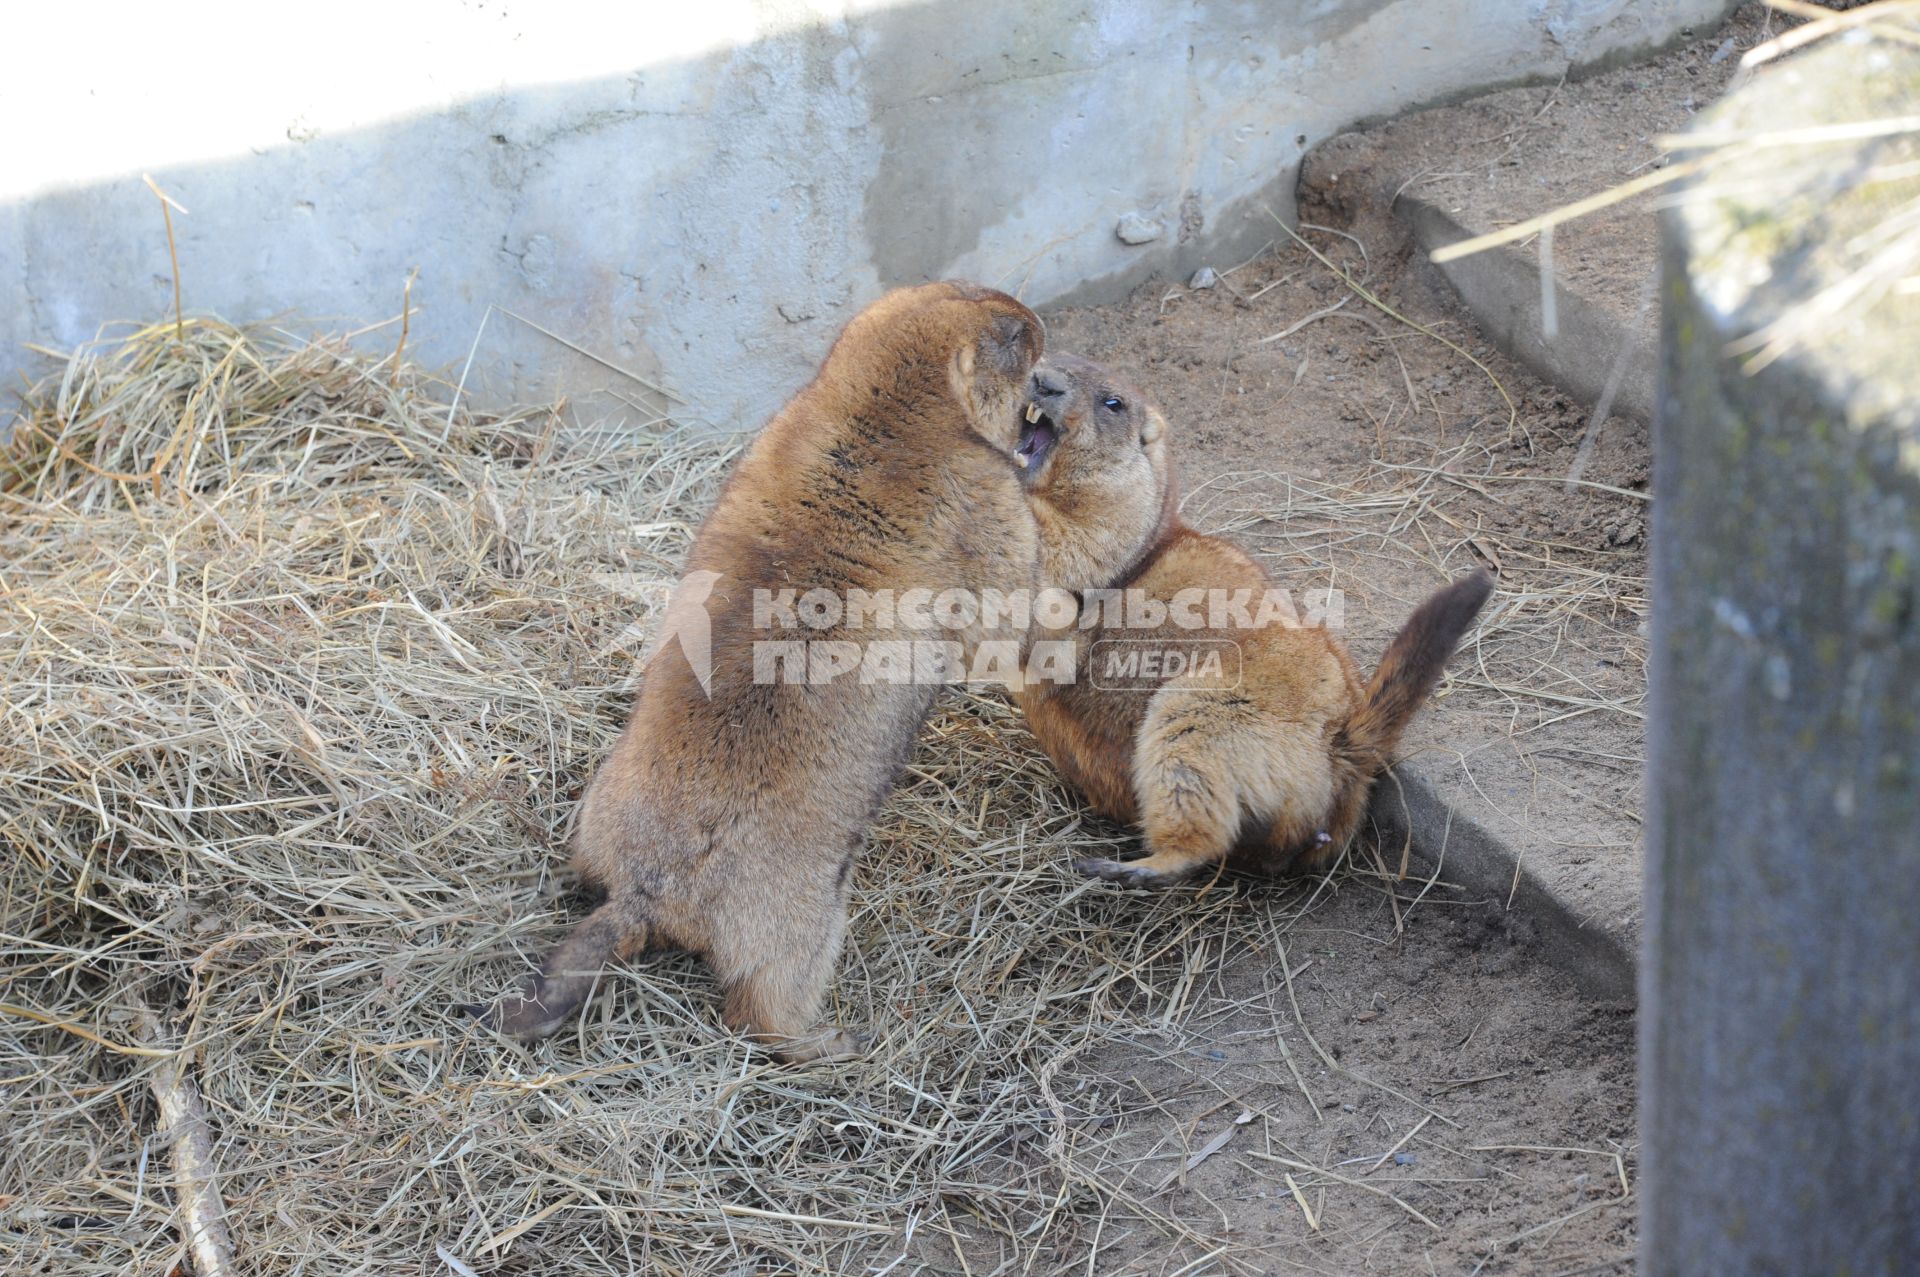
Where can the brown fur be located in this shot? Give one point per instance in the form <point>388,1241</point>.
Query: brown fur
<point>1269,766</point>
<point>727,824</point>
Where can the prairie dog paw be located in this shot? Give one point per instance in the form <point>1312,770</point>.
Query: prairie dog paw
<point>1126,873</point>
<point>824,1047</point>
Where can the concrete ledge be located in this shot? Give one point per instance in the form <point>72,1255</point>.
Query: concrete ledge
<point>1428,180</point>
<point>1501,287</point>
<point>1460,850</point>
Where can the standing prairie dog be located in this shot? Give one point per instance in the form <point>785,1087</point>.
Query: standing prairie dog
<point>1265,761</point>
<point>727,817</point>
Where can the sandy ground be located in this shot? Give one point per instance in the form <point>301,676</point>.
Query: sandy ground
<point>1312,450</point>
<point>1479,1109</point>
<point>1352,449</point>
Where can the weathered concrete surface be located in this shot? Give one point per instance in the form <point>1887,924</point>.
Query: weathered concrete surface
<point>1418,805</point>
<point>1502,288</point>
<point>1375,177</point>
<point>699,194</point>
<point>1780,998</point>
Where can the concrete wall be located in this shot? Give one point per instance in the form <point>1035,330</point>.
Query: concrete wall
<point>695,194</point>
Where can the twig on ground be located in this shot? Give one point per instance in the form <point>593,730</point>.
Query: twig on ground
<point>183,1120</point>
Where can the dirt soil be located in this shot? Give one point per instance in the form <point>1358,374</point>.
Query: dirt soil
<point>1312,451</point>
<point>1352,449</point>
<point>1362,454</point>
<point>1486,1124</point>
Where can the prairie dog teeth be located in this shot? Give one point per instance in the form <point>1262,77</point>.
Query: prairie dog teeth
<point>1033,413</point>
<point>1020,459</point>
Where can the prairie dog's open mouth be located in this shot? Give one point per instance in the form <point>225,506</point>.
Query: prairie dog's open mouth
<point>1038,434</point>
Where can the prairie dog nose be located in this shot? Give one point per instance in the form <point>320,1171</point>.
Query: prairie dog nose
<point>1047,385</point>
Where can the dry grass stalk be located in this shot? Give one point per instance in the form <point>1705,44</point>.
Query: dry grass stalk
<point>167,205</point>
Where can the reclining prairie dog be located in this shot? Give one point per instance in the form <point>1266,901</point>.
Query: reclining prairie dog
<point>1264,761</point>
<point>727,817</point>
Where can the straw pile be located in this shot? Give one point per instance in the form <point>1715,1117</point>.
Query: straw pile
<point>303,670</point>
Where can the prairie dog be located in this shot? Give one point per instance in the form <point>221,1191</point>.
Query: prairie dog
<point>1094,460</point>
<point>726,819</point>
<point>1266,766</point>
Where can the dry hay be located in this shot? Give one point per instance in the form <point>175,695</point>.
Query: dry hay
<point>304,669</point>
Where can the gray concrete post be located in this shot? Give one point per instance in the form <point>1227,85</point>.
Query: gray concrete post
<point>1780,993</point>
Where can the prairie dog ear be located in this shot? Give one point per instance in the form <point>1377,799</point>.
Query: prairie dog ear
<point>1154,429</point>
<point>963,362</point>
<point>1013,345</point>
<point>1010,330</point>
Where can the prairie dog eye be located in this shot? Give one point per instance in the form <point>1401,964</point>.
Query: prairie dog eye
<point>1112,404</point>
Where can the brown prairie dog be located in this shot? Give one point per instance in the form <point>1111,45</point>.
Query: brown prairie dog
<point>1263,759</point>
<point>727,817</point>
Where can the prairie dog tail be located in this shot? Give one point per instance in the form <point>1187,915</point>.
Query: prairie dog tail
<point>1409,668</point>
